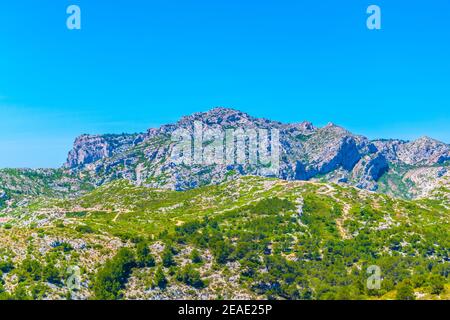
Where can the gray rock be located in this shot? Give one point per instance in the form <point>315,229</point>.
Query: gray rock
<point>307,152</point>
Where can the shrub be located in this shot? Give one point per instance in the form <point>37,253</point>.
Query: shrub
<point>167,257</point>
<point>437,283</point>
<point>160,279</point>
<point>405,291</point>
<point>6,266</point>
<point>84,229</point>
<point>195,256</point>
<point>143,256</point>
<point>51,274</point>
<point>191,277</point>
<point>222,251</point>
<point>114,274</point>
<point>30,269</point>
<point>188,228</point>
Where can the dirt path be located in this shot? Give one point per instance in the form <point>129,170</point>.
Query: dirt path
<point>345,212</point>
<point>117,216</point>
<point>340,222</point>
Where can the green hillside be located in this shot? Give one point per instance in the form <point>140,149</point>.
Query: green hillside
<point>248,238</point>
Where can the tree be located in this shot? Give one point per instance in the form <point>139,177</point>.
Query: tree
<point>195,256</point>
<point>112,277</point>
<point>21,293</point>
<point>405,291</point>
<point>437,283</point>
<point>160,279</point>
<point>6,266</point>
<point>222,251</point>
<point>51,274</point>
<point>167,258</point>
<point>191,277</point>
<point>30,269</point>
<point>143,256</point>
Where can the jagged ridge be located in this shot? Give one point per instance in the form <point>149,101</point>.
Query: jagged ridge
<point>330,153</point>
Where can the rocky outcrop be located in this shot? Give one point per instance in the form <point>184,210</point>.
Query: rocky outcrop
<point>3,198</point>
<point>88,149</point>
<point>369,170</point>
<point>423,151</point>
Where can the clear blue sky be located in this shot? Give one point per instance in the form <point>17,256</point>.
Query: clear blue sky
<point>138,64</point>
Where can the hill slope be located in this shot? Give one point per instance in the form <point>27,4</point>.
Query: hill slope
<point>247,238</point>
<point>307,153</point>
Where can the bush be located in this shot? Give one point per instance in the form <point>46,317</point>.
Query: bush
<point>84,229</point>
<point>195,256</point>
<point>65,247</point>
<point>143,256</point>
<point>405,291</point>
<point>6,266</point>
<point>437,284</point>
<point>30,269</point>
<point>188,228</point>
<point>21,293</point>
<point>167,257</point>
<point>5,296</point>
<point>113,276</point>
<point>160,279</point>
<point>51,274</point>
<point>273,206</point>
<point>191,277</point>
<point>222,251</point>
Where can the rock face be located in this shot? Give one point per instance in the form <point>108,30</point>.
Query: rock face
<point>369,170</point>
<point>423,151</point>
<point>88,149</point>
<point>306,152</point>
<point>3,198</point>
<point>91,148</point>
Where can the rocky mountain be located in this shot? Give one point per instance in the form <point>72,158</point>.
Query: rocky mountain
<point>400,168</point>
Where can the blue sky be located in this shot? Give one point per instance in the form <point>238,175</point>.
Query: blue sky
<point>138,64</point>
